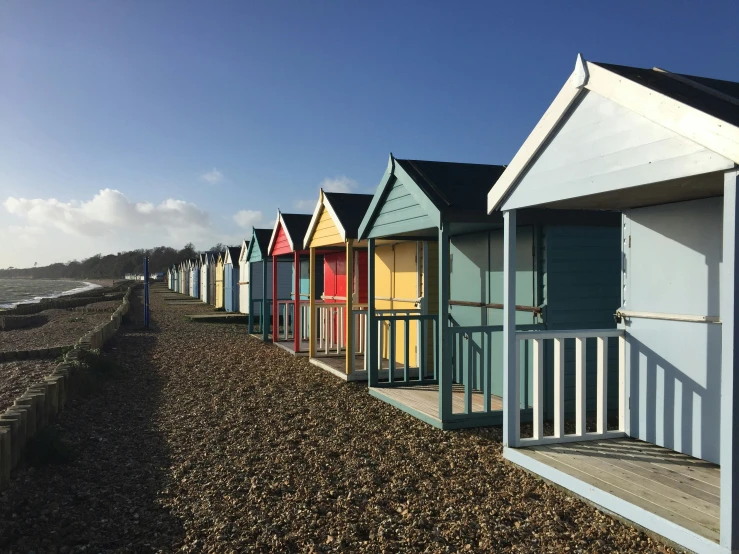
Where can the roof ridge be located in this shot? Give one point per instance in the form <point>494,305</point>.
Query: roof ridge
<point>430,182</point>
<point>686,80</point>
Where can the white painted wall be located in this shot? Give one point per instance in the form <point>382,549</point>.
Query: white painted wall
<point>204,282</point>
<point>244,288</point>
<point>673,266</point>
<point>601,147</point>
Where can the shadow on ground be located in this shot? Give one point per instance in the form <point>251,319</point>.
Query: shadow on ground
<point>95,479</point>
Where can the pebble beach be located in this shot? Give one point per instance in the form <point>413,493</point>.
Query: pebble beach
<point>203,439</point>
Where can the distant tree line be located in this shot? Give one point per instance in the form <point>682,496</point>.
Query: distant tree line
<point>112,266</point>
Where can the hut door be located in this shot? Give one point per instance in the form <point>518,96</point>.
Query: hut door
<point>672,259</point>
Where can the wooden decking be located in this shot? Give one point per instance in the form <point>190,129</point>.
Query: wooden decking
<point>289,346</point>
<point>424,399</point>
<point>670,485</point>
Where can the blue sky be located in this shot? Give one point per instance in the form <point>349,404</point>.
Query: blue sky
<point>195,111</point>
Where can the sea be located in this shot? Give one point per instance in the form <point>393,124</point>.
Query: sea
<point>28,291</point>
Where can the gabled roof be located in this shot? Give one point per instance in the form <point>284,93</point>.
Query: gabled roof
<point>259,239</point>
<point>346,209</point>
<point>232,255</point>
<point>244,250</point>
<point>451,189</point>
<point>295,226</point>
<point>705,111</point>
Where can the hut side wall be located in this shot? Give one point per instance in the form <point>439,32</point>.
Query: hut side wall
<point>673,266</point>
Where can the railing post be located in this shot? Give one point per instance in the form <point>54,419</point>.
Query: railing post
<point>559,388</point>
<point>623,421</point>
<point>349,298</point>
<point>580,390</point>
<point>372,336</point>
<point>538,364</point>
<point>312,305</point>
<point>265,309</point>
<point>444,346</point>
<point>297,342</point>
<point>602,385</point>
<point>275,303</point>
<point>511,400</point>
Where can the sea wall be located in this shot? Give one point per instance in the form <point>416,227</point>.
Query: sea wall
<point>10,322</point>
<point>39,405</point>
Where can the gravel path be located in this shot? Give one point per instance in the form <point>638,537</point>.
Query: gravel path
<point>16,377</point>
<point>206,440</point>
<point>65,327</point>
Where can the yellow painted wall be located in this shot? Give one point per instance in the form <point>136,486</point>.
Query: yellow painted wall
<point>397,277</point>
<point>326,233</point>
<point>219,284</point>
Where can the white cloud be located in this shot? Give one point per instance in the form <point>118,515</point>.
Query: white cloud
<point>107,213</point>
<point>248,218</point>
<point>212,177</point>
<point>341,183</point>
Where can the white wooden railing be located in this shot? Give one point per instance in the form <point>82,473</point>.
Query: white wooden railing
<point>331,323</point>
<point>536,339</point>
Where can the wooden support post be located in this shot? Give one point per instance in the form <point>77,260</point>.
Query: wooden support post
<point>296,310</point>
<point>312,305</point>
<point>275,303</point>
<point>372,337</point>
<point>445,348</point>
<point>511,400</point>
<point>265,312</point>
<point>729,495</point>
<point>249,299</point>
<point>349,327</point>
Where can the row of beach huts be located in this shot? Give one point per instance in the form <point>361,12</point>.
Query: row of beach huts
<point>582,296</point>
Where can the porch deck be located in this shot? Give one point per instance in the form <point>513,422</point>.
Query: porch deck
<point>621,474</point>
<point>336,364</point>
<point>422,401</point>
<point>289,346</point>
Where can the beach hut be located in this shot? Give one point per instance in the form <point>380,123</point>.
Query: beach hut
<point>231,279</point>
<point>338,317</point>
<point>286,243</point>
<point>445,343</point>
<point>195,277</point>
<point>244,278</point>
<point>212,267</point>
<point>202,261</point>
<point>260,283</point>
<point>185,285</point>
<point>204,275</point>
<point>220,288</point>
<point>660,150</point>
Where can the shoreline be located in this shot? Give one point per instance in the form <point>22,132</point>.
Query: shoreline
<point>87,285</point>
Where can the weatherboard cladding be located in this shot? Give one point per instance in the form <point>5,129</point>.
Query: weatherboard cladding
<point>349,209</point>
<point>419,193</point>
<point>580,265</point>
<point>293,225</point>
<point>601,146</point>
<point>259,244</point>
<point>325,233</point>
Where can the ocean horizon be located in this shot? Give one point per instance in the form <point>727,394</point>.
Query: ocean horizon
<point>31,291</point>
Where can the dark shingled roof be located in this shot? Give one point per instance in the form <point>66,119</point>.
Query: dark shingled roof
<point>454,186</point>
<point>262,237</point>
<point>234,251</point>
<point>297,226</point>
<point>661,82</point>
<point>350,209</point>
